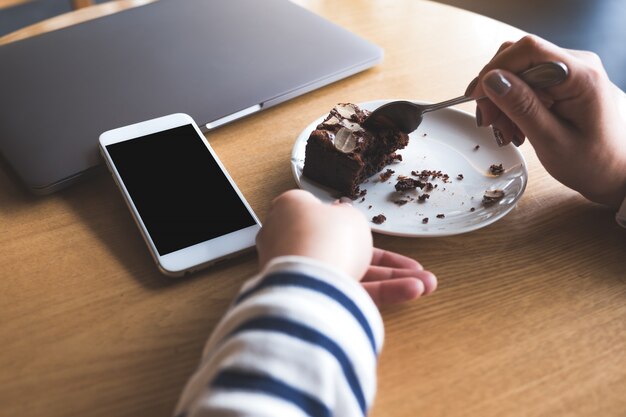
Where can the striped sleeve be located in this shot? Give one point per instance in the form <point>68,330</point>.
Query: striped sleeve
<point>301,339</point>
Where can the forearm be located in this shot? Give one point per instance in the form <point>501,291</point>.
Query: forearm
<point>300,339</point>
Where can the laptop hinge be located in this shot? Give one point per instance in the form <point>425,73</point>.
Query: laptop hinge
<point>237,115</point>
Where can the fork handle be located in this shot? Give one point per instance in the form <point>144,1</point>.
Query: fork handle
<point>543,75</point>
<point>448,103</point>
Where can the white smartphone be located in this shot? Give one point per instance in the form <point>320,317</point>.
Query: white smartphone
<point>188,209</point>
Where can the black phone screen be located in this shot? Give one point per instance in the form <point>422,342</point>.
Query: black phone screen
<point>179,190</point>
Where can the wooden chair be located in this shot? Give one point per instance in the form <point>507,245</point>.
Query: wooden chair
<point>68,19</point>
<point>76,4</point>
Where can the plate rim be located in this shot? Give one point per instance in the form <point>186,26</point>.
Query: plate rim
<point>299,142</point>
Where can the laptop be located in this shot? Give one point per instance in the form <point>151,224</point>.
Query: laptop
<point>217,61</point>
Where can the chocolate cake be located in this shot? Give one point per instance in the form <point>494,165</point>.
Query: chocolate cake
<point>341,153</point>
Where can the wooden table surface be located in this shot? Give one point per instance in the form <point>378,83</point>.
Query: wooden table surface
<point>529,318</point>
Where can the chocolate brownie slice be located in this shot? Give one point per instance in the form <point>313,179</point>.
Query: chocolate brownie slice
<point>341,154</point>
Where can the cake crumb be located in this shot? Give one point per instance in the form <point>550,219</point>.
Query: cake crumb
<point>492,196</point>
<point>423,197</point>
<point>473,209</point>
<point>406,184</point>
<point>386,175</point>
<point>380,219</point>
<point>459,177</point>
<point>400,202</point>
<point>477,147</point>
<point>496,169</point>
<point>441,216</point>
<point>425,220</point>
<point>432,174</point>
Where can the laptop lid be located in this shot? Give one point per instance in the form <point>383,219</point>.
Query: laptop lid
<point>214,60</point>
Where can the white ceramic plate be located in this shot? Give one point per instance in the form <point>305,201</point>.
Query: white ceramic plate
<point>446,141</point>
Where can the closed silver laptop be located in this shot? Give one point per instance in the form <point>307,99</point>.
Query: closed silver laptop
<point>216,60</point>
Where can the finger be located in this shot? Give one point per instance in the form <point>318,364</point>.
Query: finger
<point>521,105</point>
<point>505,131</point>
<point>531,51</point>
<point>525,53</point>
<point>505,45</point>
<point>295,195</point>
<point>546,99</point>
<point>394,291</point>
<point>518,136</point>
<point>487,113</point>
<point>528,52</point>
<point>384,274</point>
<point>472,85</point>
<point>382,257</point>
<point>343,200</point>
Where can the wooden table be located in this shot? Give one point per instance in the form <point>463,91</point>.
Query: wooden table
<point>529,318</point>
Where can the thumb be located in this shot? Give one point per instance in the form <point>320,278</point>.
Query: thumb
<point>521,104</point>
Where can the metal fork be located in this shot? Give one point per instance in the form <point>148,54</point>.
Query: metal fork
<point>407,116</point>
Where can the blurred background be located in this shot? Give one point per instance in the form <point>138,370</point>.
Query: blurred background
<point>595,25</point>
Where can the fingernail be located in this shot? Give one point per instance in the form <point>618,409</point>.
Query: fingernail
<point>497,133</point>
<point>345,200</point>
<point>479,117</point>
<point>497,83</point>
<point>471,86</point>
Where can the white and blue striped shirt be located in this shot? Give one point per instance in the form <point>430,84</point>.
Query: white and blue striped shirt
<point>301,339</point>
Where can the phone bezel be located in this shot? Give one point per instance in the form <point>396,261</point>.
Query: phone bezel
<point>193,257</point>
